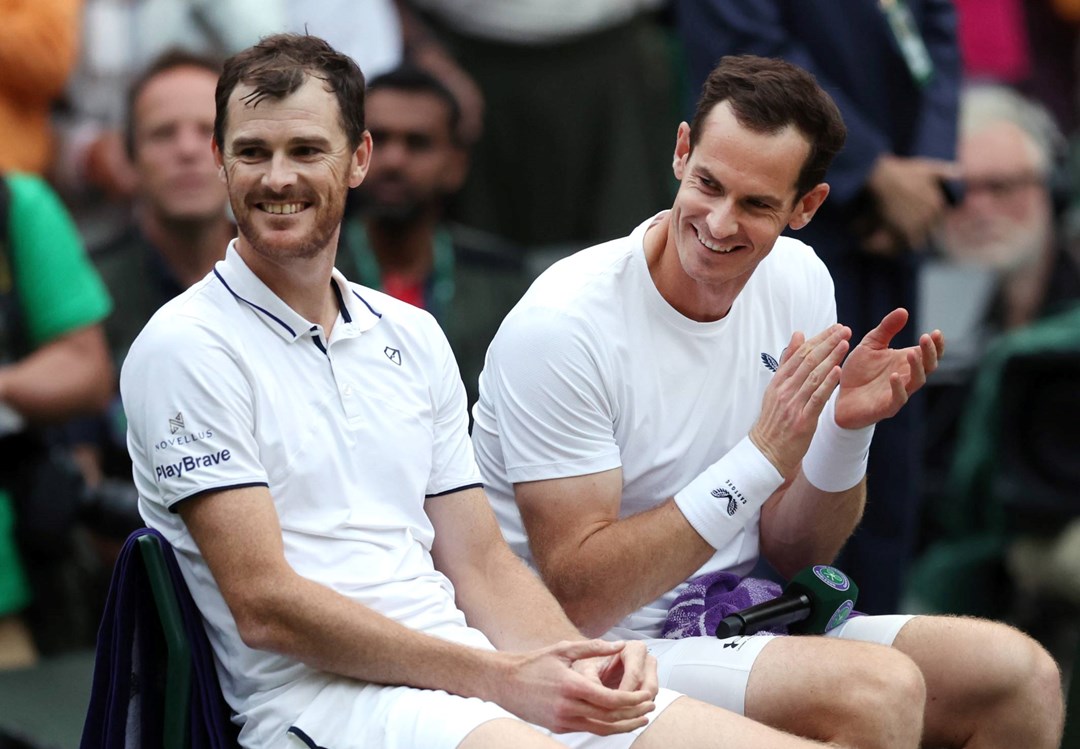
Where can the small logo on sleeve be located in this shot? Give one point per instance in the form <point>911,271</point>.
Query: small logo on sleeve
<point>189,464</point>
<point>770,363</point>
<point>393,355</point>
<point>176,423</point>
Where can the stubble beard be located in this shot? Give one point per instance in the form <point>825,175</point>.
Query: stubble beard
<point>311,244</point>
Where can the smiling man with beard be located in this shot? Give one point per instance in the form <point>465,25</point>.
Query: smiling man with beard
<point>1006,221</point>
<point>397,239</point>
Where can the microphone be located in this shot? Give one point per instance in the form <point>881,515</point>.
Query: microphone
<point>817,599</point>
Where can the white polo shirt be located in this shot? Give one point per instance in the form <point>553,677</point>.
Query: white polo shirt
<point>227,387</point>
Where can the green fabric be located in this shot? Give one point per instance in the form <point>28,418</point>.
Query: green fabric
<point>14,588</point>
<point>58,292</point>
<point>973,466</point>
<point>57,286</point>
<point>963,573</point>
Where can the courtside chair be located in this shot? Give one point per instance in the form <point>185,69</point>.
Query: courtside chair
<point>155,684</point>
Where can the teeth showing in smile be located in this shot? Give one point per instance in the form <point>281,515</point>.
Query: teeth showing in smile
<point>282,208</point>
<point>713,247</point>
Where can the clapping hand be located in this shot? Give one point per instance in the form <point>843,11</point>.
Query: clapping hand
<point>876,381</point>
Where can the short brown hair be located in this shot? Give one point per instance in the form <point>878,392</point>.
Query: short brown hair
<point>278,65</point>
<point>766,95</point>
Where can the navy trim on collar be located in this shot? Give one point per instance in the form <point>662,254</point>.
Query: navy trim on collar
<point>251,304</point>
<point>315,338</point>
<point>341,302</point>
<point>377,314</point>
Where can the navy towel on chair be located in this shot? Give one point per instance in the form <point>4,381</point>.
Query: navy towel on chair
<point>127,697</point>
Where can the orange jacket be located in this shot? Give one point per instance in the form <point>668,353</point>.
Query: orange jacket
<point>39,42</point>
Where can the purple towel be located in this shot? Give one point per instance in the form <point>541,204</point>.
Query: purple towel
<point>709,598</point>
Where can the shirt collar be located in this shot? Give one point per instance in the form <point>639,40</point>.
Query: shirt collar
<point>355,313</point>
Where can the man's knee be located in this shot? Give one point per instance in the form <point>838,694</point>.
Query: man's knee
<point>885,682</point>
<point>854,692</point>
<point>985,678</point>
<point>1036,677</point>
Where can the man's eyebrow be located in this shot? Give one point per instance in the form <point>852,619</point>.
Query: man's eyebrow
<point>299,140</point>
<point>703,171</point>
<point>246,142</point>
<point>310,140</point>
<point>770,200</point>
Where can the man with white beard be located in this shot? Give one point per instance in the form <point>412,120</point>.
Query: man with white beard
<point>1005,222</point>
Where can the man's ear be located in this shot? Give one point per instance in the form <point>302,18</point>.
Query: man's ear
<point>218,159</point>
<point>457,169</point>
<point>682,151</point>
<point>807,205</point>
<point>361,160</point>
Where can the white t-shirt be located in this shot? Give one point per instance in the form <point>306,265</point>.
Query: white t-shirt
<point>593,370</point>
<point>227,386</point>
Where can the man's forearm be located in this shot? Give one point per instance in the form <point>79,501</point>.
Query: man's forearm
<point>332,633</point>
<point>505,600</point>
<point>806,525</point>
<point>64,378</point>
<point>624,565</point>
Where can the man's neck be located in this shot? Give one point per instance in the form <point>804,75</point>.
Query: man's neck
<point>403,249</point>
<point>189,248</point>
<point>303,283</point>
<point>689,298</point>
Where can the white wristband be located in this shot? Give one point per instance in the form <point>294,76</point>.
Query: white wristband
<point>836,459</point>
<point>725,497</point>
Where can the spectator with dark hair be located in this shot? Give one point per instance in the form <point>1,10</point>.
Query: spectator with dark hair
<point>399,241</point>
<point>120,40</point>
<point>579,99</point>
<point>178,227</point>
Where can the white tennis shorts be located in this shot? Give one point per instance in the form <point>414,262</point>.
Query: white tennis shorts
<point>717,671</point>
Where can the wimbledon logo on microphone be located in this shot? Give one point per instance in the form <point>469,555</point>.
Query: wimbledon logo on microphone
<point>832,577</point>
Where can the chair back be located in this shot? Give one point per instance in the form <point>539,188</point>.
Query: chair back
<point>155,683</point>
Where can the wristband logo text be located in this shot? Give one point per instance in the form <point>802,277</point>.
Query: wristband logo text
<point>191,463</point>
<point>723,494</point>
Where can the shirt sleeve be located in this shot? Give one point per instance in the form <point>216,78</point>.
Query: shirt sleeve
<point>551,400</point>
<point>59,290</point>
<point>189,402</point>
<point>453,464</point>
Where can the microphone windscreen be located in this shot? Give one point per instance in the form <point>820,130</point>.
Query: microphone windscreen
<point>832,595</point>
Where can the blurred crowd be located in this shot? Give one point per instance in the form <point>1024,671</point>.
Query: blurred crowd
<point>508,135</point>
